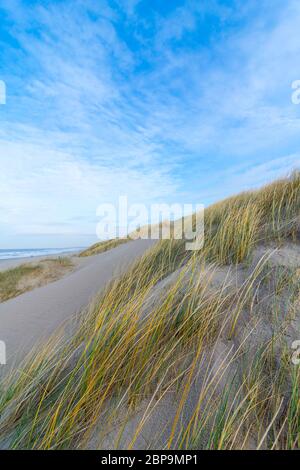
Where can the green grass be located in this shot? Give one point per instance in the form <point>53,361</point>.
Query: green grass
<point>122,354</point>
<point>126,350</point>
<point>10,279</point>
<point>63,261</point>
<point>233,227</point>
<point>16,281</point>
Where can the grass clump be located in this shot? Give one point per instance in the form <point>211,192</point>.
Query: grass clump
<point>236,235</point>
<point>126,351</point>
<point>10,280</point>
<point>103,246</point>
<point>16,281</point>
<point>64,261</point>
<point>233,227</point>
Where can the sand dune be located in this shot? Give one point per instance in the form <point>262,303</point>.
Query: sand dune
<point>186,351</point>
<point>33,316</point>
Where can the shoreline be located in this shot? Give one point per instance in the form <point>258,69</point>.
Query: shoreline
<point>11,263</point>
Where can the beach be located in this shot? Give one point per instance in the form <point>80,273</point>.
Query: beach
<point>15,262</point>
<point>32,317</point>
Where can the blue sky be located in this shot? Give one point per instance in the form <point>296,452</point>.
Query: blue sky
<point>163,101</point>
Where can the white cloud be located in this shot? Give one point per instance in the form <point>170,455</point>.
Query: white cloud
<point>41,188</point>
<point>86,121</point>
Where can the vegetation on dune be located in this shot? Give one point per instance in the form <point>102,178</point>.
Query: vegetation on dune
<point>105,245</point>
<point>234,226</point>
<point>165,328</point>
<point>10,279</point>
<point>16,281</point>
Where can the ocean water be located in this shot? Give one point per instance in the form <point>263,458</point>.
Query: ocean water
<point>32,252</point>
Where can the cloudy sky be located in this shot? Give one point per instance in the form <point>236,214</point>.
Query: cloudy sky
<point>163,101</point>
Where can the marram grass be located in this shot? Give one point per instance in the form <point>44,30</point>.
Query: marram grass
<point>103,246</point>
<point>149,335</point>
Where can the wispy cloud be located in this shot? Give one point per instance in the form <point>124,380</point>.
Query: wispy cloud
<point>158,102</point>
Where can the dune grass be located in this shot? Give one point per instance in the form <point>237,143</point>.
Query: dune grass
<point>145,338</point>
<point>10,279</point>
<point>233,227</point>
<point>16,281</point>
<point>103,246</point>
<point>64,261</point>
<point>126,351</point>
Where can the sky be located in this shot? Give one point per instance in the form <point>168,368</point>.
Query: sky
<point>182,101</point>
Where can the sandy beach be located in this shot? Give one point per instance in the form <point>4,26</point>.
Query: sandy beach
<point>33,316</point>
<point>13,263</point>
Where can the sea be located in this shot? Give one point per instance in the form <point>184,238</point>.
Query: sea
<point>32,252</point>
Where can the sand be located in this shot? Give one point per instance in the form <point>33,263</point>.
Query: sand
<point>33,316</point>
<point>158,416</point>
<point>14,263</point>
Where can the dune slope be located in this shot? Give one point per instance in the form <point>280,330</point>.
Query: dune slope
<point>33,316</point>
<point>185,350</point>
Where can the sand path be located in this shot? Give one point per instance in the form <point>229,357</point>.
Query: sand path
<point>33,316</point>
